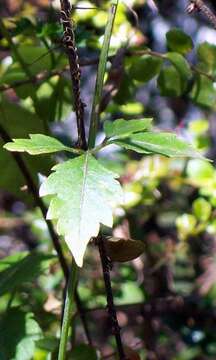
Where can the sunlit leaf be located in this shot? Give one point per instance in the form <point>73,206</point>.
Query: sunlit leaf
<point>202,209</point>
<point>37,144</point>
<point>84,192</point>
<point>19,332</point>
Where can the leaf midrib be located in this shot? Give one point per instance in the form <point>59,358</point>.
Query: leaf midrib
<point>83,192</point>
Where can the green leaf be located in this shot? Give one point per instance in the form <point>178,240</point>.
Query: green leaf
<point>182,67</point>
<point>200,173</point>
<point>206,54</point>
<point>84,192</point>
<point>169,82</point>
<point>19,122</point>
<point>121,128</point>
<point>37,144</point>
<point>36,58</point>
<point>145,68</point>
<point>179,41</point>
<point>202,209</point>
<point>186,225</point>
<point>17,269</point>
<point>203,92</point>
<point>173,80</point>
<point>167,144</point>
<point>18,335</point>
<point>122,250</point>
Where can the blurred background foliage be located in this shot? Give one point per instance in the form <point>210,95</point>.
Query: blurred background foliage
<point>162,65</point>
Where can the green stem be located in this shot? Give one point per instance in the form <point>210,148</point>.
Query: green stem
<point>100,75</point>
<point>68,308</point>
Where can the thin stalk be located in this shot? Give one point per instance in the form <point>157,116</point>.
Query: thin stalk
<point>110,301</point>
<point>68,309</point>
<point>75,73</point>
<point>100,75</point>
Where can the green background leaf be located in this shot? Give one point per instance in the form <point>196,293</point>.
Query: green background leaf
<point>17,269</point>
<point>179,41</point>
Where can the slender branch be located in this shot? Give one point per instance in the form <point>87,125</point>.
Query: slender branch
<point>199,5</point>
<point>100,75</point>
<point>43,76</point>
<point>68,309</point>
<point>69,41</point>
<point>110,302</point>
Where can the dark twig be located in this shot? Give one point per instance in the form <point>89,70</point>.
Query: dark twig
<point>39,202</point>
<point>199,5</point>
<point>110,302</point>
<point>69,41</point>
<point>45,75</point>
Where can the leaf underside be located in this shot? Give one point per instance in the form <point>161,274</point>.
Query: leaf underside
<point>84,192</point>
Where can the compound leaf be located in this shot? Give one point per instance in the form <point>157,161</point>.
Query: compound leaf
<point>84,192</point>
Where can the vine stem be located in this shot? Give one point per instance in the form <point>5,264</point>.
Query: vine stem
<point>94,122</point>
<point>68,309</point>
<point>75,73</point>
<point>203,8</point>
<point>110,301</point>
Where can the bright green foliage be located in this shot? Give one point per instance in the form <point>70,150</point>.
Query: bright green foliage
<point>179,41</point>
<point>84,192</point>
<point>121,128</point>
<point>202,209</point>
<point>18,334</point>
<point>186,225</point>
<point>200,173</point>
<point>17,269</point>
<point>167,144</point>
<point>145,68</point>
<point>37,144</point>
